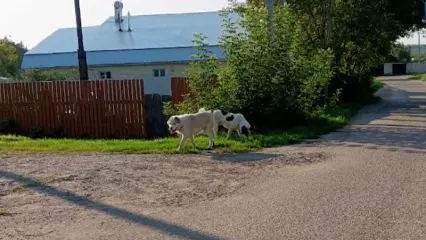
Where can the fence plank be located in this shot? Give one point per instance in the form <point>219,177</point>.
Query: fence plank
<point>48,102</point>
<point>118,112</point>
<point>133,109</point>
<point>2,106</point>
<point>97,92</point>
<point>110,109</point>
<point>180,87</point>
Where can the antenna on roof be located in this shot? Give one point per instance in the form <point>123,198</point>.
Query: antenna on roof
<point>128,22</point>
<point>118,14</point>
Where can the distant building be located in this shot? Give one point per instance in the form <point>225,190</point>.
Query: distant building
<point>156,48</point>
<point>414,50</point>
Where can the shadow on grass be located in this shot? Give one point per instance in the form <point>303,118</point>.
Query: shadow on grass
<point>145,221</point>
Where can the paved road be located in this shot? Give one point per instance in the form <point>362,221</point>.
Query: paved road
<point>373,187</point>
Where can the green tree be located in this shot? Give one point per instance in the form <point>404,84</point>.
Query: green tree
<point>38,75</point>
<point>362,35</point>
<point>401,52</point>
<point>11,55</point>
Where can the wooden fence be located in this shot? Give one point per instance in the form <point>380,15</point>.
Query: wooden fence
<point>94,109</point>
<point>180,87</point>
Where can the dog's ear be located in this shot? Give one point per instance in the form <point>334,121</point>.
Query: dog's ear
<point>177,120</point>
<point>224,112</point>
<point>230,118</point>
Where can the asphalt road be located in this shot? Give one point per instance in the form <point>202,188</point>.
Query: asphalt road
<point>372,187</point>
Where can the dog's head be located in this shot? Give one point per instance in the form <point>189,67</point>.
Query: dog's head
<point>174,124</point>
<point>245,130</point>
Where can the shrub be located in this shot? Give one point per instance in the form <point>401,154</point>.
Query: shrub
<point>37,132</point>
<point>9,127</point>
<point>276,79</point>
<point>35,75</point>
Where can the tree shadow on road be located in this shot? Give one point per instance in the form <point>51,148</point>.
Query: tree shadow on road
<point>398,123</point>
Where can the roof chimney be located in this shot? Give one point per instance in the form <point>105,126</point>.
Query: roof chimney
<point>128,22</point>
<point>118,14</point>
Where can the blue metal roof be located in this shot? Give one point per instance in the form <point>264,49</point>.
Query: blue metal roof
<point>153,39</point>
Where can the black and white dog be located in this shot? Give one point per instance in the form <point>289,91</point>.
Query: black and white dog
<point>231,121</point>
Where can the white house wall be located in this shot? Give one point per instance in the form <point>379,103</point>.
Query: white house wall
<point>416,67</point>
<point>157,85</point>
<point>152,85</point>
<point>138,72</point>
<point>387,69</point>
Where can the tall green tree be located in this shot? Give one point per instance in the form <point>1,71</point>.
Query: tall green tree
<point>363,33</point>
<point>11,55</point>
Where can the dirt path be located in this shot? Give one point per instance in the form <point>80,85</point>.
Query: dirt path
<point>366,181</point>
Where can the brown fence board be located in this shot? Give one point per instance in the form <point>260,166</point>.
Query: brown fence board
<point>96,109</point>
<point>2,105</point>
<point>180,87</point>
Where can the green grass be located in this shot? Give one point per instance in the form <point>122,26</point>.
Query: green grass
<point>421,77</point>
<point>38,181</point>
<point>325,122</point>
<point>4,212</point>
<point>376,84</point>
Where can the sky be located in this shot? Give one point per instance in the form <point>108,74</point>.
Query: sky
<point>413,39</point>
<point>30,21</point>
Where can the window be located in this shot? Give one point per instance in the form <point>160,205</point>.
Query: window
<point>105,75</point>
<point>159,72</point>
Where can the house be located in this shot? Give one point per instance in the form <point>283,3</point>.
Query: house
<point>152,47</point>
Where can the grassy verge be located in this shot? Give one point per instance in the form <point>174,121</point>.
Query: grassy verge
<point>376,84</point>
<point>421,77</point>
<point>325,122</point>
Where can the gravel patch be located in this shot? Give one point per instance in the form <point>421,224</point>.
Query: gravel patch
<point>145,184</point>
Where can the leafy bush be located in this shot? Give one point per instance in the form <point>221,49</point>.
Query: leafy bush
<point>36,132</point>
<point>276,79</point>
<point>36,75</point>
<point>8,127</point>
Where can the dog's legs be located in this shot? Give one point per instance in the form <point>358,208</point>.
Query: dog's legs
<point>229,133</point>
<point>239,133</point>
<point>211,140</point>
<point>182,142</point>
<point>215,128</point>
<point>192,141</point>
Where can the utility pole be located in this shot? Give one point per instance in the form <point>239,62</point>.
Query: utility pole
<point>420,50</point>
<point>82,61</point>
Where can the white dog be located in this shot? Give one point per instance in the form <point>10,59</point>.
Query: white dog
<point>231,121</point>
<point>189,125</point>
